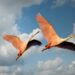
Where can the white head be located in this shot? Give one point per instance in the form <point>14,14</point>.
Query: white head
<point>70,36</point>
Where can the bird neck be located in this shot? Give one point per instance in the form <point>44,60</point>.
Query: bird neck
<point>32,36</point>
<point>69,37</point>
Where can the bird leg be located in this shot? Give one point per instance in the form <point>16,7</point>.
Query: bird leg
<point>20,53</point>
<point>48,46</point>
<point>34,35</point>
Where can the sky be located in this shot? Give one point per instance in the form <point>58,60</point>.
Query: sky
<point>17,17</point>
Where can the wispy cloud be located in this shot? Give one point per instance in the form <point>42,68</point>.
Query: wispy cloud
<point>73,3</point>
<point>60,3</point>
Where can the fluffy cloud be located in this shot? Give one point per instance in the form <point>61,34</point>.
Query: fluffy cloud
<point>48,67</point>
<point>8,52</point>
<point>14,70</point>
<point>9,12</point>
<point>55,67</point>
<point>15,6</point>
<point>5,70</point>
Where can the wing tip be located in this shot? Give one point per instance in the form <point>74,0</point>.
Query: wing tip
<point>38,14</point>
<point>4,37</point>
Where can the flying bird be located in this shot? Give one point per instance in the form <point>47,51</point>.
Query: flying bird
<point>20,45</point>
<point>52,37</point>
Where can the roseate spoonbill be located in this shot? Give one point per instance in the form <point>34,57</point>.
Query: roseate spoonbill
<point>20,45</point>
<point>51,36</point>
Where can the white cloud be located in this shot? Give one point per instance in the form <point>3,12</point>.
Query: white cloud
<point>58,3</point>
<point>55,67</point>
<point>8,52</point>
<point>9,12</point>
<point>49,67</point>
<point>15,6</point>
<point>14,70</point>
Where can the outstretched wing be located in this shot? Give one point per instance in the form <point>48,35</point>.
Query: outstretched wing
<point>17,43</point>
<point>33,43</point>
<point>67,45</point>
<point>30,44</point>
<point>47,29</point>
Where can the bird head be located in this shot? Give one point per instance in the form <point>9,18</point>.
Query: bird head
<point>72,36</point>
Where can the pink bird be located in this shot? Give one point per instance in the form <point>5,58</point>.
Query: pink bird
<point>52,37</point>
<point>20,45</point>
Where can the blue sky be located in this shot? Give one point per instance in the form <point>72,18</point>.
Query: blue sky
<point>18,18</point>
<point>62,17</point>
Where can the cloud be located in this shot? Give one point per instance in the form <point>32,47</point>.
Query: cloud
<point>14,70</point>
<point>5,70</point>
<point>60,3</point>
<point>15,6</point>
<point>73,3</point>
<point>8,52</point>
<point>49,67</point>
<point>9,12</point>
<point>55,67</point>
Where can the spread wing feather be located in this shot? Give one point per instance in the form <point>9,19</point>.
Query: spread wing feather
<point>47,29</point>
<point>16,41</point>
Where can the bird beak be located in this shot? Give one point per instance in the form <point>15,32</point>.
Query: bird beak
<point>44,49</point>
<point>18,57</point>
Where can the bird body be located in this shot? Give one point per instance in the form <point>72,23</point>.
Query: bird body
<point>51,36</point>
<point>20,45</point>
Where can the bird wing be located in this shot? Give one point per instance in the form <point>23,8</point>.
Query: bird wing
<point>30,44</point>
<point>47,29</point>
<point>33,43</point>
<point>16,41</point>
<point>67,45</point>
